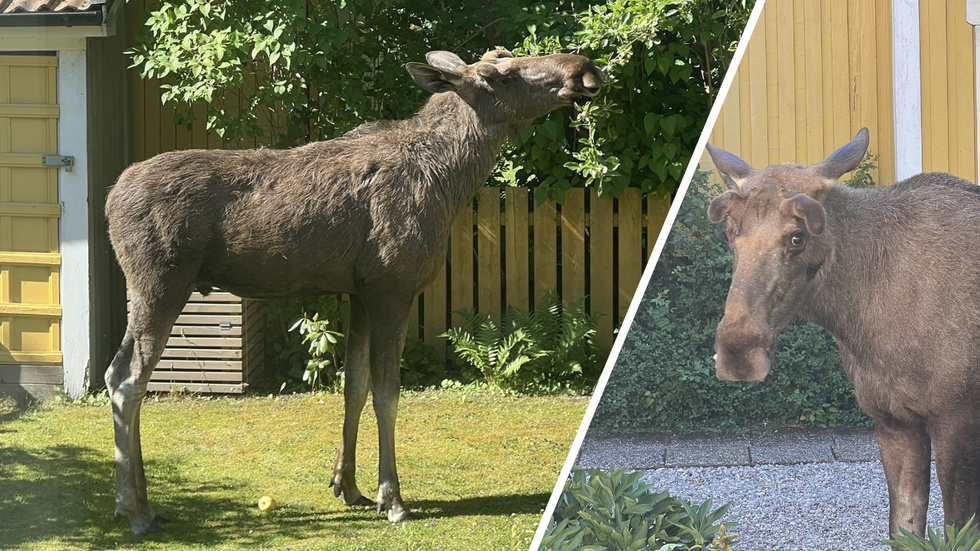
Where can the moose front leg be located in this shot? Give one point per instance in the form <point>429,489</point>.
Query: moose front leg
<point>389,322</point>
<point>905,457</point>
<point>357,380</point>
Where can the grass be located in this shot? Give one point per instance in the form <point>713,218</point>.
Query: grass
<point>476,470</point>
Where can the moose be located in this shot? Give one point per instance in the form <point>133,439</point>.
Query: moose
<point>890,272</point>
<point>367,214</point>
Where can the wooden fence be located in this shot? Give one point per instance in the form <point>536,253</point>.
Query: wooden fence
<point>504,252</point>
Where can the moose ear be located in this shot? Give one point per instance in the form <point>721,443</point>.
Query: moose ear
<point>496,54</point>
<point>444,60</point>
<point>809,209</point>
<point>434,79</point>
<point>718,207</point>
<point>732,169</point>
<point>845,159</point>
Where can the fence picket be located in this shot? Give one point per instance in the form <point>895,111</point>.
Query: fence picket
<point>631,250</point>
<point>545,250</point>
<point>573,244</point>
<point>516,261</point>
<point>488,252</point>
<point>601,290</point>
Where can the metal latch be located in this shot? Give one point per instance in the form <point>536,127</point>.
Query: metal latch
<point>225,326</point>
<point>66,161</point>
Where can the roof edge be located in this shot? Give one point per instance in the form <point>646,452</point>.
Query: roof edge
<point>54,19</point>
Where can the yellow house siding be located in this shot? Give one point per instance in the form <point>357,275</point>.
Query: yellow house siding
<point>948,89</point>
<point>814,73</point>
<point>30,311</point>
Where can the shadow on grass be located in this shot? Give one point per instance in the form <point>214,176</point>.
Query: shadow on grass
<point>12,407</point>
<point>521,504</point>
<point>65,494</point>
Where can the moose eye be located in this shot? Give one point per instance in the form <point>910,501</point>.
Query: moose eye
<point>797,240</point>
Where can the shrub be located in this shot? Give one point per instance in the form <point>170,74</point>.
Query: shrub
<point>664,378</point>
<point>963,539</point>
<point>324,370</point>
<point>613,510</point>
<point>299,71</point>
<point>549,349</point>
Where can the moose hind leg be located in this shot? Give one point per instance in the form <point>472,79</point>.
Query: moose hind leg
<point>958,468</point>
<point>905,457</point>
<point>126,379</point>
<point>357,380</point>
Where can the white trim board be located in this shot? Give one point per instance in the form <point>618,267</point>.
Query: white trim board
<point>73,229</point>
<point>906,88</point>
<point>973,18</point>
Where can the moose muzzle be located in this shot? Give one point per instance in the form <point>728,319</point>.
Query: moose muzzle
<point>742,352</point>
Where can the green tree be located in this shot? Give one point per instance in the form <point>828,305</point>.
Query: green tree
<point>299,70</point>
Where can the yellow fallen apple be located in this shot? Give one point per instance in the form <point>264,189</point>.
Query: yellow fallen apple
<point>267,503</point>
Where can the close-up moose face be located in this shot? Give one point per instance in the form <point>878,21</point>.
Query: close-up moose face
<point>777,228</point>
<point>511,88</point>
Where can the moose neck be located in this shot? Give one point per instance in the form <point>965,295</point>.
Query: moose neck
<point>455,150</point>
<point>857,253</point>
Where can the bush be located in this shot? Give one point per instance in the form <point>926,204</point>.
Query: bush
<point>963,539</point>
<point>295,364</point>
<point>550,349</point>
<point>665,378</point>
<point>614,511</point>
<point>301,71</point>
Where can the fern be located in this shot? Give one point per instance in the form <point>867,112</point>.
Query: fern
<point>549,349</point>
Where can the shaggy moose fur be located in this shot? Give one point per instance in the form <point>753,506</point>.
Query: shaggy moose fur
<point>891,274</point>
<point>368,214</point>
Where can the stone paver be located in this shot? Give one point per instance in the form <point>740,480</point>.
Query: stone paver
<point>856,445</point>
<point>708,451</point>
<point>636,452</point>
<point>787,447</point>
<point>782,447</point>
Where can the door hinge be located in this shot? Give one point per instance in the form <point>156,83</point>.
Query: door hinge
<point>66,161</point>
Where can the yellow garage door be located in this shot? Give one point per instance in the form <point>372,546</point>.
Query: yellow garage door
<point>30,311</point>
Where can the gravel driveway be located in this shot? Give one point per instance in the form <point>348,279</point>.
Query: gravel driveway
<point>813,507</point>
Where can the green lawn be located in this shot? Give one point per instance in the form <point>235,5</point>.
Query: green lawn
<point>476,470</point>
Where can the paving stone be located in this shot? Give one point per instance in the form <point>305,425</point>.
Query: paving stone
<point>855,445</point>
<point>635,452</point>
<point>708,451</point>
<point>791,447</point>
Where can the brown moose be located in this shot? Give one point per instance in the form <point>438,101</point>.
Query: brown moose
<point>368,214</point>
<point>891,273</point>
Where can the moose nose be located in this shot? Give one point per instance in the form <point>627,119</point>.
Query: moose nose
<point>592,82</point>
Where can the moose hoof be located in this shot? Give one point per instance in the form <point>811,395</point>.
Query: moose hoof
<point>396,512</point>
<point>356,498</point>
<point>141,526</point>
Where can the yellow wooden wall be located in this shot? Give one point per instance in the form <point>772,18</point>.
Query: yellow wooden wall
<point>948,89</point>
<point>30,310</point>
<point>815,72</point>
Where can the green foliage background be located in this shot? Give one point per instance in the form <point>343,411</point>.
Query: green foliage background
<point>299,70</point>
<point>665,378</point>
